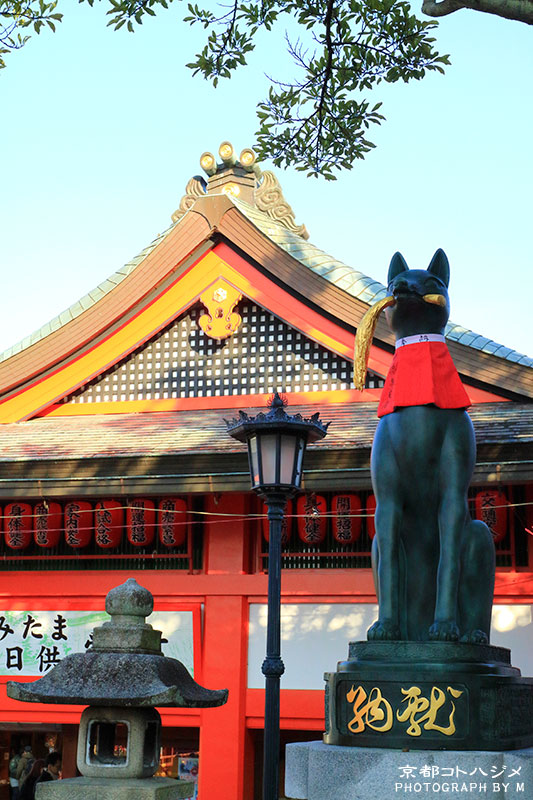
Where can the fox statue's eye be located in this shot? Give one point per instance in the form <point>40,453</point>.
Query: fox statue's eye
<point>434,283</point>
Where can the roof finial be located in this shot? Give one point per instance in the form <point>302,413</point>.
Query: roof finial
<point>247,160</point>
<point>243,180</point>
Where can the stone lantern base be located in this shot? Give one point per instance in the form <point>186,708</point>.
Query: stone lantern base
<point>110,789</point>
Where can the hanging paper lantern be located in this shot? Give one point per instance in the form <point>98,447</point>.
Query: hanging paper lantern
<point>492,507</point>
<point>371,515</point>
<point>286,524</point>
<point>140,522</point>
<point>47,524</point>
<point>173,521</point>
<point>17,525</point>
<point>312,522</point>
<point>78,523</point>
<point>346,517</point>
<point>108,523</point>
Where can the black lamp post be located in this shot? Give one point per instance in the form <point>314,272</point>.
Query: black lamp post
<point>276,446</point>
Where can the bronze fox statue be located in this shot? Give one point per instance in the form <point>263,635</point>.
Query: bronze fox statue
<point>433,565</point>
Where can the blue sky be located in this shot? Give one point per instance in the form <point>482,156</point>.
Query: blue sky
<point>100,132</point>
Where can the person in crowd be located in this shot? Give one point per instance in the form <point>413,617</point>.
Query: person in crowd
<point>52,768</point>
<point>24,766</point>
<point>27,790</point>
<point>13,780</point>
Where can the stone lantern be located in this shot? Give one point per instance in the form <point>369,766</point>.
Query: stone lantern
<point>121,678</point>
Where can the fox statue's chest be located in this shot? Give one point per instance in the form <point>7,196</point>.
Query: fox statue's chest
<point>422,373</point>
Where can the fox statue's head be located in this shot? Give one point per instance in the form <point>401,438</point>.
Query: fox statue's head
<point>417,302</point>
<point>421,296</point>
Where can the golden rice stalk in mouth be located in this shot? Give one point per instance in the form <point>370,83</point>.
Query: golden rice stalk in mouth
<point>436,299</point>
<point>363,340</point>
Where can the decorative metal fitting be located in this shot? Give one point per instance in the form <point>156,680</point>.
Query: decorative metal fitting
<point>220,300</point>
<point>227,153</point>
<point>208,163</point>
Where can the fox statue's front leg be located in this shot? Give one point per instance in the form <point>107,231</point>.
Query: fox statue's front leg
<point>386,544</point>
<point>456,464</point>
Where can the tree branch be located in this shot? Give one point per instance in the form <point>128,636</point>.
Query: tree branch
<point>433,8</point>
<point>519,10</point>
<point>226,39</point>
<point>327,75</point>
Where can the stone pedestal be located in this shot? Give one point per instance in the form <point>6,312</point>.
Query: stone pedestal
<point>112,789</point>
<point>317,771</point>
<point>428,695</point>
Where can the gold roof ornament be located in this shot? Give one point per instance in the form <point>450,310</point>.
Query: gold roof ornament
<point>219,300</point>
<point>208,163</point>
<point>227,154</point>
<point>248,158</point>
<point>241,179</point>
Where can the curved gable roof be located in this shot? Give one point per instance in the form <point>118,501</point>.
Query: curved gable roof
<point>290,238</point>
<point>207,214</point>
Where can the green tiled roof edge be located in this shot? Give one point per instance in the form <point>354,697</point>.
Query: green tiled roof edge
<point>86,301</point>
<point>360,285</point>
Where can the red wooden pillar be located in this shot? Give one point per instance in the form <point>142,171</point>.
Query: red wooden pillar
<point>222,730</point>
<point>225,749</point>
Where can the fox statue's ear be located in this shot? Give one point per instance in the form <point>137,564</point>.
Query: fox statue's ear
<point>397,264</point>
<point>440,266</point>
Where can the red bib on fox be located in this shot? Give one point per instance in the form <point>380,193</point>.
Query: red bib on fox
<point>422,372</point>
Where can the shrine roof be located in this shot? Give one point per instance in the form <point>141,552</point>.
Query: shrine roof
<point>204,431</point>
<point>359,285</point>
<point>249,191</point>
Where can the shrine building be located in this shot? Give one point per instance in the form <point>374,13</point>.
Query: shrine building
<point>115,462</point>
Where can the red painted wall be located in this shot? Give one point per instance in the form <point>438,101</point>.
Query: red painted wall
<point>224,590</point>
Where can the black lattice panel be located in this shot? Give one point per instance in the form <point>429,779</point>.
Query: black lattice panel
<point>182,361</point>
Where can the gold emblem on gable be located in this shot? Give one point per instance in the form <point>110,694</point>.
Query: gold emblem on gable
<point>219,300</point>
